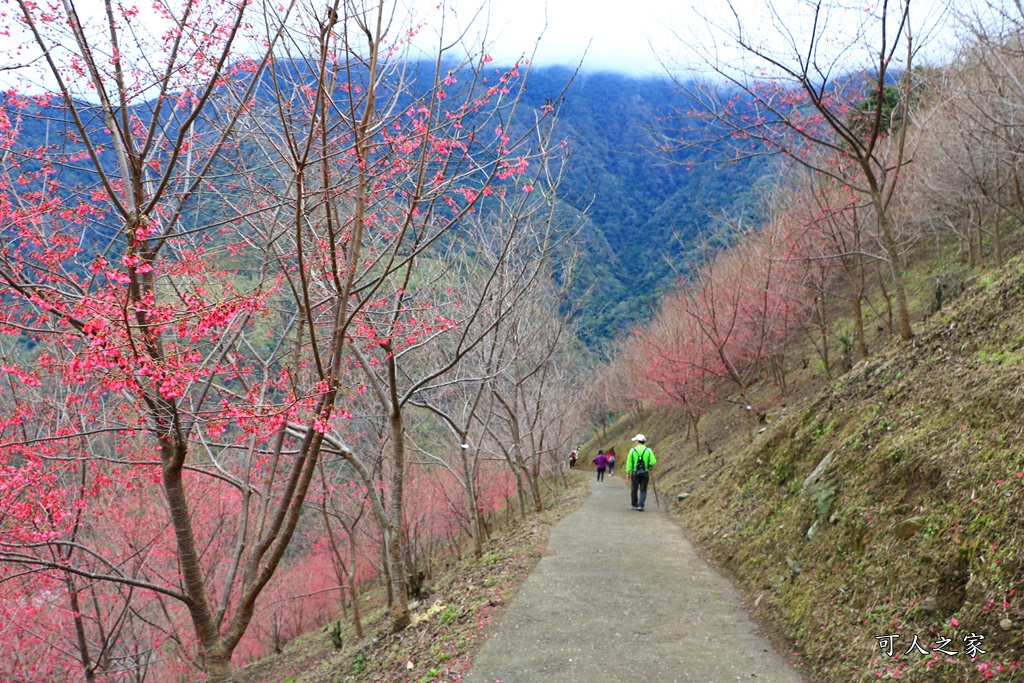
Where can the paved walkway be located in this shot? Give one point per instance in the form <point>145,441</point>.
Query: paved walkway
<point>621,596</point>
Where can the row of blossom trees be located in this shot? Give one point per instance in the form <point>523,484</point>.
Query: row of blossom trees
<point>252,263</point>
<point>876,166</point>
<point>728,326</point>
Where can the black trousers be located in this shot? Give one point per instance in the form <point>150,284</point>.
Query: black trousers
<point>600,475</point>
<point>638,490</point>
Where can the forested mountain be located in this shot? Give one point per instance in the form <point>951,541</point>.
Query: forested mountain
<point>644,208</point>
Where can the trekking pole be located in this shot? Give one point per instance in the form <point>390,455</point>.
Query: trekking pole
<point>657,501</point>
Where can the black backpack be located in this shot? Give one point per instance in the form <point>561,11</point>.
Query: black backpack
<point>640,467</point>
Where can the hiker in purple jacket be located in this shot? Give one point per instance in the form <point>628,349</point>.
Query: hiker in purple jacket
<point>601,462</point>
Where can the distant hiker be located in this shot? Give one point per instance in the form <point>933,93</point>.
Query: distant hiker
<point>600,462</point>
<point>611,463</point>
<point>572,460</point>
<point>639,464</point>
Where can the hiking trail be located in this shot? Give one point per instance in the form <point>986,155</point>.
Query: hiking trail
<point>621,595</point>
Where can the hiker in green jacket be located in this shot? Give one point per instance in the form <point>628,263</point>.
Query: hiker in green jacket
<point>639,463</point>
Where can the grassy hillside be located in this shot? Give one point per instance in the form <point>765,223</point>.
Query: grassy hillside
<point>889,503</point>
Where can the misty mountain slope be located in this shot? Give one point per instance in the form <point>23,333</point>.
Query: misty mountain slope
<point>648,208</point>
<point>643,210</point>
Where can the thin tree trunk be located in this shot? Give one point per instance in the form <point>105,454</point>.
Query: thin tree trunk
<point>997,241</point>
<point>902,311</point>
<point>386,566</point>
<point>520,492</point>
<point>83,643</point>
<point>475,527</point>
<point>538,499</point>
<point>858,322</point>
<point>353,589</point>
<point>399,577</point>
<point>888,304</point>
<point>694,420</point>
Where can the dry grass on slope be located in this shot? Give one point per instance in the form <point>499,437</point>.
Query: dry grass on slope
<point>912,523</point>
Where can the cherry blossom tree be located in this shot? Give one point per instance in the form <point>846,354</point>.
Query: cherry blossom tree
<point>181,269</point>
<point>799,91</point>
<point>123,325</point>
<point>673,365</point>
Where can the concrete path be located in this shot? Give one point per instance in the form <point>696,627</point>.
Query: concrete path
<point>621,596</point>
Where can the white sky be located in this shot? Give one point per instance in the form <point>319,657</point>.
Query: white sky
<point>603,34</point>
<point>629,35</point>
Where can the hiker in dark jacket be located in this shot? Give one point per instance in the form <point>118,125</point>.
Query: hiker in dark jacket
<point>600,462</point>
<point>639,464</point>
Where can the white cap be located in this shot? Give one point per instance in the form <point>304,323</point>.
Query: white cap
<point>639,437</point>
